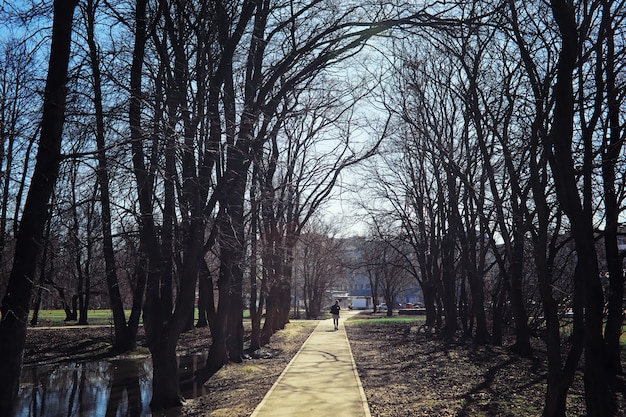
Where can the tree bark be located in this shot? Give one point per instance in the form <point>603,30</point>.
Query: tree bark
<point>610,158</point>
<point>600,400</point>
<point>161,337</point>
<point>15,304</point>
<point>449,287</point>
<point>165,391</point>
<point>122,341</point>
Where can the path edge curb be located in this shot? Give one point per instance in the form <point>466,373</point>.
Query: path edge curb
<point>366,407</point>
<point>282,374</point>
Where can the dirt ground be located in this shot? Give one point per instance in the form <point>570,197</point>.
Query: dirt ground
<point>407,373</point>
<point>403,371</point>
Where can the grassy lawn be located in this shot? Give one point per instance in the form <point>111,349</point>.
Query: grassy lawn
<point>97,317</point>
<point>418,320</point>
<point>375,321</point>
<point>57,317</point>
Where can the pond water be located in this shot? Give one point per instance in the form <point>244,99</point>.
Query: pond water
<point>108,388</point>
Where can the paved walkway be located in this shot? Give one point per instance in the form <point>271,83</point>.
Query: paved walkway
<point>320,381</point>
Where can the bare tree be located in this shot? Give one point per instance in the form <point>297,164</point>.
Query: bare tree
<point>574,187</point>
<point>318,266</point>
<point>388,265</point>
<point>588,292</point>
<point>124,334</point>
<point>18,83</point>
<point>15,304</point>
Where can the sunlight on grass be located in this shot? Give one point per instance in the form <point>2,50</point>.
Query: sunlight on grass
<point>387,320</point>
<point>99,317</point>
<point>57,317</point>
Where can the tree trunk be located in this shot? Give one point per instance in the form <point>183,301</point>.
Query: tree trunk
<point>429,290</point>
<point>498,311</point>
<point>161,332</point>
<point>205,295</point>
<point>610,158</point>
<point>449,296</point>
<point>218,353</point>
<point>600,400</point>
<point>464,310</point>
<point>165,392</point>
<point>516,295</point>
<point>139,277</point>
<point>122,341</point>
<point>42,274</point>
<point>227,334</point>
<point>271,312</point>
<point>232,255</point>
<point>15,304</point>
<point>285,304</point>
<point>559,379</point>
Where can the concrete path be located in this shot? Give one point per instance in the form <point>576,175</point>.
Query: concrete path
<point>321,380</point>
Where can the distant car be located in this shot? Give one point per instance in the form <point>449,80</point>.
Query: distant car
<point>382,306</point>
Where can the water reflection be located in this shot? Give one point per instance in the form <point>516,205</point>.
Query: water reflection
<point>124,381</point>
<point>115,388</point>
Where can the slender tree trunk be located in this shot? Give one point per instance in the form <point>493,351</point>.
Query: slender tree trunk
<point>15,304</point>
<point>122,340</point>
<point>256,297</point>
<point>522,332</point>
<point>499,312</point>
<point>139,278</point>
<point>464,310</point>
<point>449,286</point>
<point>37,305</point>
<point>610,159</point>
<point>429,291</point>
<point>205,293</point>
<point>42,273</point>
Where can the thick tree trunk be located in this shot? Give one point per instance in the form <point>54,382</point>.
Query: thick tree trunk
<point>217,356</point>
<point>218,353</point>
<point>232,255</point>
<point>165,392</point>
<point>227,333</point>
<point>161,333</point>
<point>600,400</point>
<point>285,305</point>
<point>271,312</point>
<point>15,304</point>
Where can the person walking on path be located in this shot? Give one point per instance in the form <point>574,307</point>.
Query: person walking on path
<point>334,310</point>
<point>304,390</point>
